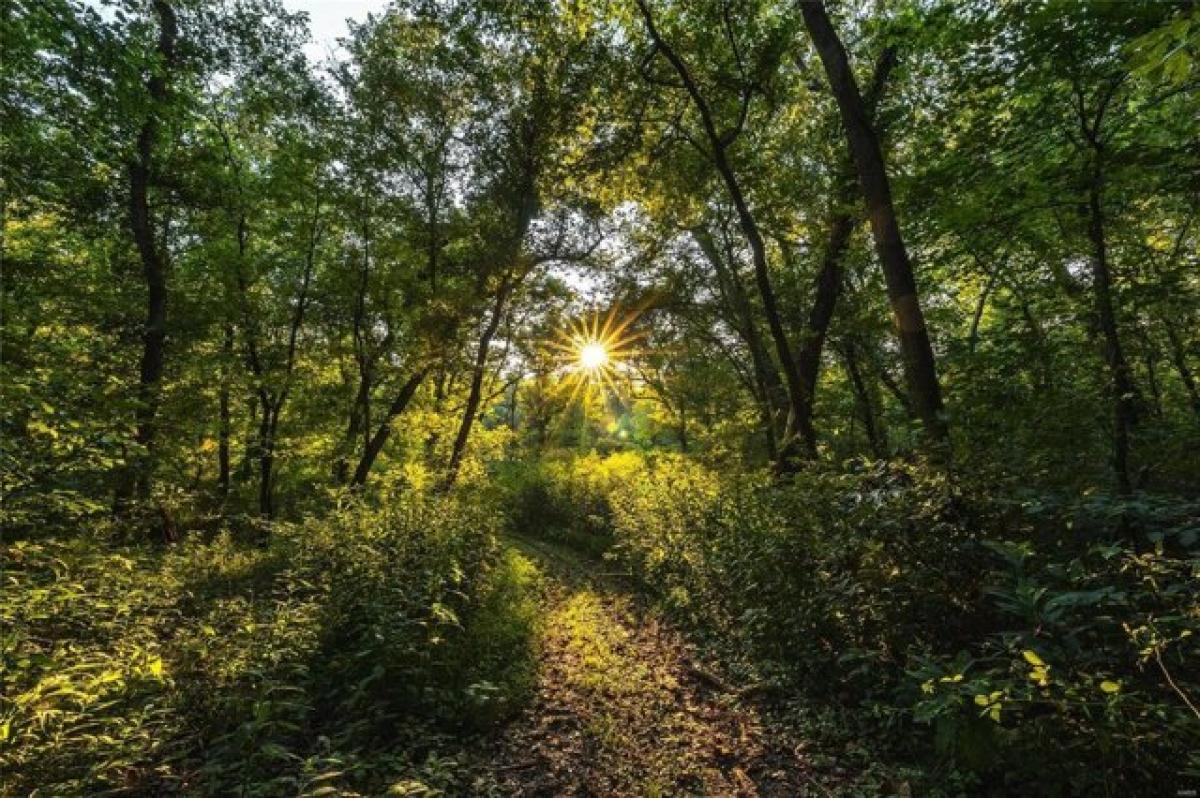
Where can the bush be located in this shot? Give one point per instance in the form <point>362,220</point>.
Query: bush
<point>339,656</point>
<point>568,499</point>
<point>1049,657</point>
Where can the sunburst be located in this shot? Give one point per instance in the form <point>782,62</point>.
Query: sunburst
<point>593,350</point>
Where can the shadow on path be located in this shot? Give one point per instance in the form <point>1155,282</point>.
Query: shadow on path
<point>621,709</point>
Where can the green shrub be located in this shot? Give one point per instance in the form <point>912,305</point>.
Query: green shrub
<point>1041,661</point>
<point>342,655</point>
<point>1084,678</point>
<point>568,499</point>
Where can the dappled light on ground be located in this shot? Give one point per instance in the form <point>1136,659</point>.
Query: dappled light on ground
<point>620,710</point>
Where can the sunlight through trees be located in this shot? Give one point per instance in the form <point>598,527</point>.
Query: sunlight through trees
<point>565,397</point>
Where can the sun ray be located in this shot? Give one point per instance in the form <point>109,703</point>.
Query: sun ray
<point>593,350</point>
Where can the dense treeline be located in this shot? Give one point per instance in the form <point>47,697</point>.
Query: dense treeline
<point>897,308</point>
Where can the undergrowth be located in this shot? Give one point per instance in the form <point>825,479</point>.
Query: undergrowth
<point>995,638</point>
<point>348,655</point>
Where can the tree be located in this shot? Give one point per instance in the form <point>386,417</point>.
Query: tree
<point>147,236</point>
<point>920,366</point>
<point>799,435</point>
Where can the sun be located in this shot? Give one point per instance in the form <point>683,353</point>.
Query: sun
<point>593,355</point>
<point>593,350</point>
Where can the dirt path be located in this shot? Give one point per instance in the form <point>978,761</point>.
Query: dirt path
<point>623,709</point>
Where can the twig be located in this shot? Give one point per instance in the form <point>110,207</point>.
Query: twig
<point>517,766</point>
<point>1170,681</point>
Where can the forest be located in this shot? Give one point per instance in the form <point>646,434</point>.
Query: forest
<point>600,398</point>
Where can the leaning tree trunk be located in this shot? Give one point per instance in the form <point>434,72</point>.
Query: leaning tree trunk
<point>919,364</point>
<point>829,279</point>
<point>383,432</point>
<point>524,208</point>
<point>800,440</point>
<point>138,474</point>
<point>475,392</point>
<point>770,390</point>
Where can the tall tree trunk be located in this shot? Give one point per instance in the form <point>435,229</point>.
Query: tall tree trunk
<point>828,289</point>
<point>138,474</point>
<point>1124,392</point>
<point>829,280</point>
<point>241,237</point>
<point>273,410</point>
<point>524,207</point>
<point>266,457</point>
<point>862,400</point>
<point>224,421</point>
<point>365,355</point>
<point>771,395</point>
<point>800,440</point>
<point>475,391</point>
<point>919,365</point>
<point>272,401</point>
<point>356,425</point>
<point>375,444</point>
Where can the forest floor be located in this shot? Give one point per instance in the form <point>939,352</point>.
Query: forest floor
<point>622,706</point>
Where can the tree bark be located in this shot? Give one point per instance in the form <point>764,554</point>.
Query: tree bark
<point>977,316</point>
<point>266,458</point>
<point>919,363</point>
<point>862,396</point>
<point>356,425</point>
<point>365,357</point>
<point>273,403</point>
<point>224,421</point>
<point>475,391</point>
<point>828,289</point>
<point>829,280</point>
<point>137,478</point>
<point>1124,393</point>
<point>771,395</point>
<point>375,444</point>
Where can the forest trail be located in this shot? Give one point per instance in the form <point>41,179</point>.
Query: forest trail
<point>621,708</point>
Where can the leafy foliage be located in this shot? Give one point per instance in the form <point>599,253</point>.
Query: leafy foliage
<point>215,665</point>
<point>900,413</point>
<point>567,499</point>
<point>1052,661</point>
